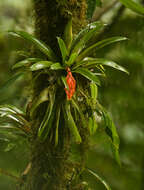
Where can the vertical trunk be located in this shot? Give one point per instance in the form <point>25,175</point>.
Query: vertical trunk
<point>52,15</point>
<point>50,165</point>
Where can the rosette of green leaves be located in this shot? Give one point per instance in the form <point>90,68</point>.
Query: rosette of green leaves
<point>76,54</point>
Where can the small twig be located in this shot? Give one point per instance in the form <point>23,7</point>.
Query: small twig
<point>26,171</point>
<point>98,15</point>
<point>10,175</point>
<point>113,22</point>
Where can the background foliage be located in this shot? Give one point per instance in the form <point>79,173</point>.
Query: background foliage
<point>122,95</point>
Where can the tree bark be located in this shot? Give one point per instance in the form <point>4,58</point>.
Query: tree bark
<point>51,168</point>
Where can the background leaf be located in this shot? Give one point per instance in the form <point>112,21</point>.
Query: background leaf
<point>131,4</point>
<point>112,133</point>
<point>10,82</point>
<point>99,178</point>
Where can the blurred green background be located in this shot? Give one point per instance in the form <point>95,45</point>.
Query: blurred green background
<point>122,95</point>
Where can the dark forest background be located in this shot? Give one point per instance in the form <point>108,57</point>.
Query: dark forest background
<point>122,95</point>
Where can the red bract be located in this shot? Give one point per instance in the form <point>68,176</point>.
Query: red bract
<point>71,82</point>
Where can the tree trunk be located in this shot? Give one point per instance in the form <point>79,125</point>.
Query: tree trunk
<point>51,167</point>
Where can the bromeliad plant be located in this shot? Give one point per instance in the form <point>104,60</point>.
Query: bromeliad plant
<point>70,92</point>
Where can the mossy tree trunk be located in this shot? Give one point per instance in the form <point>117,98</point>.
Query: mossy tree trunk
<point>51,168</point>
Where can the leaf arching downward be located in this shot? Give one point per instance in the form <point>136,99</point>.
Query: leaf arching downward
<point>99,45</point>
<point>39,44</point>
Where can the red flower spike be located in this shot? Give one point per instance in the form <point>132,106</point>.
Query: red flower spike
<point>71,82</point>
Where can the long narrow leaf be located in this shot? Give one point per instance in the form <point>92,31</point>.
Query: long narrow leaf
<point>14,113</point>
<point>75,104</point>
<point>71,124</point>
<point>72,59</point>
<point>112,133</point>
<point>62,48</point>
<point>82,42</point>
<point>64,82</point>
<point>56,66</point>
<point>46,121</point>
<point>39,44</point>
<point>131,4</point>
<point>57,125</point>
<point>25,62</point>
<point>43,97</point>
<point>11,116</point>
<point>68,34</point>
<point>94,90</point>
<point>90,62</point>
<point>99,178</point>
<point>10,81</point>
<point>99,45</point>
<point>41,65</point>
<point>92,124</point>
<point>95,26</point>
<point>88,74</point>
<point>11,108</point>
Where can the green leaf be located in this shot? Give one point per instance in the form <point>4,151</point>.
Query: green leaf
<point>11,109</point>
<point>10,147</point>
<point>75,105</point>
<point>46,123</point>
<point>64,82</point>
<point>56,66</point>
<point>41,65</point>
<point>133,6</point>
<point>94,90</point>
<point>43,97</point>
<point>99,45</point>
<point>10,81</point>
<point>12,116</point>
<point>90,62</point>
<point>9,131</point>
<point>112,133</point>
<point>71,124</point>
<point>25,62</point>
<point>99,178</point>
<point>62,48</point>
<point>39,44</point>
<point>68,34</point>
<point>57,125</point>
<point>93,123</point>
<point>23,53</point>
<point>88,74</point>
<point>72,59</point>
<point>84,35</point>
<point>12,112</point>
<point>8,127</point>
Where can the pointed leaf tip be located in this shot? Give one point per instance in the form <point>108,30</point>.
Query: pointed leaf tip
<point>38,43</point>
